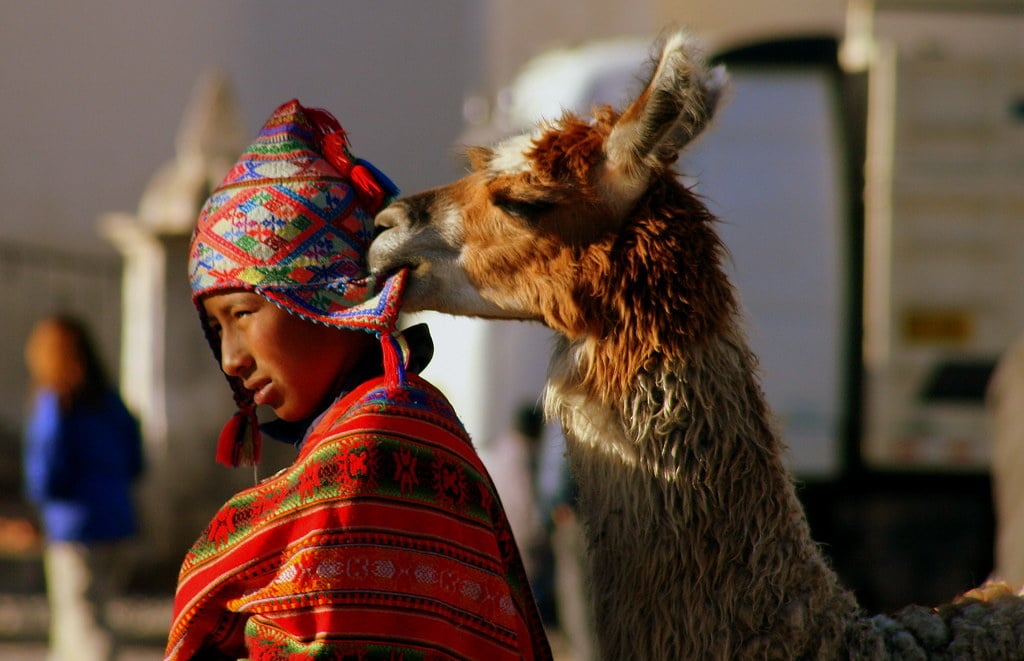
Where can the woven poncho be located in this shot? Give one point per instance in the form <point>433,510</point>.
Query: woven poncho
<point>384,540</point>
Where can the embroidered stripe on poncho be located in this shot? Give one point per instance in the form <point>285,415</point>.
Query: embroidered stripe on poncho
<point>384,540</point>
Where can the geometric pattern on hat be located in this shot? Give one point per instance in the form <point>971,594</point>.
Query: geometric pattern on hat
<point>288,224</point>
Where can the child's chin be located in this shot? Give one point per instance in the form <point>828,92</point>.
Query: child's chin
<point>290,414</point>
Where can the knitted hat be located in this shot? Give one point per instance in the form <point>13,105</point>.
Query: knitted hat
<point>292,221</point>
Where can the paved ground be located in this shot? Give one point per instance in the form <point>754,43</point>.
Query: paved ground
<point>143,621</point>
<point>37,652</point>
<point>24,618</point>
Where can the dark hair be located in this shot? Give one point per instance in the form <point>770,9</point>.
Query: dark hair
<point>529,421</point>
<point>95,381</point>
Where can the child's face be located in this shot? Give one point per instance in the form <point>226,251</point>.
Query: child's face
<point>290,364</point>
<point>53,357</point>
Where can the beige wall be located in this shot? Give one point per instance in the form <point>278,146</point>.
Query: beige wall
<point>519,30</point>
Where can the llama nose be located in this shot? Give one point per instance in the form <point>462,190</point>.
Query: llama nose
<point>386,219</point>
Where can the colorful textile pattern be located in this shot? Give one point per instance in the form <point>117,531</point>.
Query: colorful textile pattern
<point>384,540</point>
<point>286,222</point>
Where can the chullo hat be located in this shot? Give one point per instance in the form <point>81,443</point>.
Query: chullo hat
<point>292,221</point>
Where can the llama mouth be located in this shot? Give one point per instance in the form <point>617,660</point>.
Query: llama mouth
<point>390,268</point>
<point>383,258</point>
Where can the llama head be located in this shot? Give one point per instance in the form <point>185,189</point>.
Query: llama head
<point>533,231</point>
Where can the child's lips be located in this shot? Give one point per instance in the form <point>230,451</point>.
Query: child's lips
<point>261,393</point>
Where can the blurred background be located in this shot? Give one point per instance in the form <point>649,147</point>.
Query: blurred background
<point>868,169</point>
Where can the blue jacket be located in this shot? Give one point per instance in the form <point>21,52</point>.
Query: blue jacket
<point>79,467</point>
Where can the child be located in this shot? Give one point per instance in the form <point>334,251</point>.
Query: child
<point>385,539</point>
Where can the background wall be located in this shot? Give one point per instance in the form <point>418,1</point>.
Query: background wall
<point>94,94</point>
<point>94,91</point>
<point>518,30</point>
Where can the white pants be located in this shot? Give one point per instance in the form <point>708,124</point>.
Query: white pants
<point>572,588</point>
<point>80,580</point>
<point>1006,423</point>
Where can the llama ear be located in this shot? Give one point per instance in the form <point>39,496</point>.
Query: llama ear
<point>677,104</point>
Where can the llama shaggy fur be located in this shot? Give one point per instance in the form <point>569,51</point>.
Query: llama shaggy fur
<point>698,543</point>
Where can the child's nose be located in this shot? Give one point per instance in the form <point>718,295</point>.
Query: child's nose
<point>234,359</point>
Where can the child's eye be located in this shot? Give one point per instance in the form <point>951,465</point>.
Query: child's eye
<point>239,312</point>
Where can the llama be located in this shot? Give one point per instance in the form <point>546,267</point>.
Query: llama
<point>699,547</point>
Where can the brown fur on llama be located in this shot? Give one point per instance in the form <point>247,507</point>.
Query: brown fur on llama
<point>698,543</point>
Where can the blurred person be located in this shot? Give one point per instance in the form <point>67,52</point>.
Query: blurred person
<point>385,538</point>
<point>1005,402</point>
<point>557,496</point>
<point>83,454</point>
<point>511,458</point>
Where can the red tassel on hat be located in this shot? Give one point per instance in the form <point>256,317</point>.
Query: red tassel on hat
<point>323,121</point>
<point>370,192</point>
<point>239,442</point>
<point>365,179</point>
<point>368,188</point>
<point>336,153</point>
<point>396,358</point>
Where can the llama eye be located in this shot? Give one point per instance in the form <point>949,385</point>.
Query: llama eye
<point>525,209</point>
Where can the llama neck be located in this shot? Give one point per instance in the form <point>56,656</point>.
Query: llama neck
<point>691,515</point>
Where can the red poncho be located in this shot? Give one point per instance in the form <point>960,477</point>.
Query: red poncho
<point>384,540</point>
